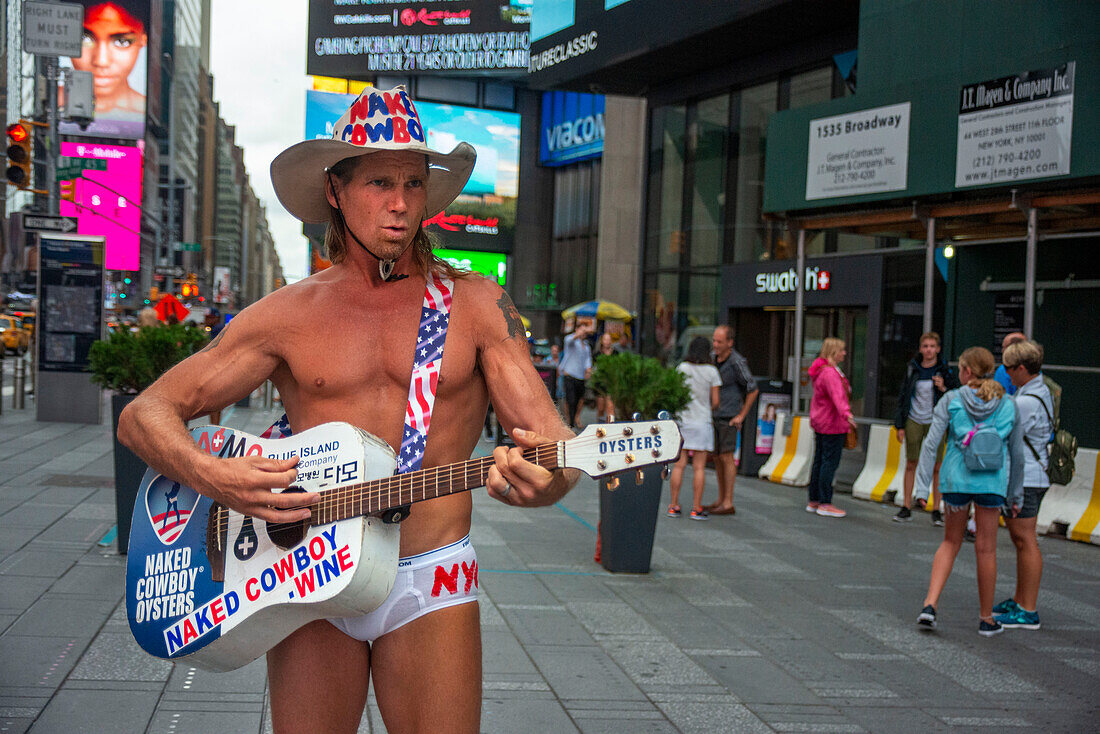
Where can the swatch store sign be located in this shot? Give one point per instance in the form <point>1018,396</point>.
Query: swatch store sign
<point>572,128</point>
<point>826,282</point>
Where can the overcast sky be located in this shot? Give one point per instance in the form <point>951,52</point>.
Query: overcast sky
<point>258,55</point>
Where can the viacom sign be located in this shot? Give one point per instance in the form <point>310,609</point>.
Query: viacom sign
<point>572,128</point>
<point>787,281</point>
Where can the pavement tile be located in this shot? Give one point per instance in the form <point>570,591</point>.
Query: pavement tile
<point>588,672</point>
<point>91,712</point>
<point>19,592</point>
<point>757,680</point>
<point>167,720</point>
<point>39,562</point>
<point>116,656</point>
<point>86,579</point>
<point>706,718</point>
<point>526,715</point>
<point>55,615</point>
<point>35,665</point>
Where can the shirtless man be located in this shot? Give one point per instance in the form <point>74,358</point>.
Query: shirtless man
<point>339,347</point>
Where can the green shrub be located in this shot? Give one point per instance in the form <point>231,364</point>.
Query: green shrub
<point>128,362</point>
<point>639,384</point>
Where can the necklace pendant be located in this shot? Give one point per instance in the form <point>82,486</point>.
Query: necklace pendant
<point>385,268</point>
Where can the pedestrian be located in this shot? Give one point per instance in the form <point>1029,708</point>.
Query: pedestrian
<point>1001,375</point>
<point>735,399</point>
<point>148,317</point>
<point>830,419</point>
<point>605,409</point>
<point>554,384</point>
<point>384,290</point>
<point>1023,361</point>
<point>575,367</point>
<point>696,426</point>
<point>927,378</point>
<point>983,466</point>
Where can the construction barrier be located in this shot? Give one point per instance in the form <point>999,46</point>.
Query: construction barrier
<point>792,455</point>
<point>884,468</point>
<point>1075,506</point>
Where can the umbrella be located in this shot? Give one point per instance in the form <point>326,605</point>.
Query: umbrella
<point>599,309</point>
<point>169,304</point>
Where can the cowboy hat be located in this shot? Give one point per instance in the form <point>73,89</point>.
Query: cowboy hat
<point>378,120</point>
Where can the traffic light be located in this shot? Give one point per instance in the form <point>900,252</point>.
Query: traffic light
<point>154,294</point>
<point>190,287</point>
<point>18,170</point>
<point>68,190</point>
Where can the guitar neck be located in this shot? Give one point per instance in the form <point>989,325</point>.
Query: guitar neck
<point>379,495</point>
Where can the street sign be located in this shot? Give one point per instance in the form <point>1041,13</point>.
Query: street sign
<point>64,173</point>
<point>85,164</point>
<point>188,247</point>
<point>52,29</point>
<point>47,223</point>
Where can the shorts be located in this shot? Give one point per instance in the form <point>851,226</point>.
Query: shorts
<point>425,583</point>
<point>1033,499</point>
<point>914,437</point>
<point>980,499</point>
<point>697,436</point>
<point>725,436</point>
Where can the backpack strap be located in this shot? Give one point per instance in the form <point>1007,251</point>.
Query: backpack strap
<point>1050,418</point>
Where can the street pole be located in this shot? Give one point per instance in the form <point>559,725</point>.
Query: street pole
<point>53,144</point>
<point>799,307</point>
<point>1029,271</point>
<point>929,271</point>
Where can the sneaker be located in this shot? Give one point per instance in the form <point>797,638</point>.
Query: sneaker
<point>968,535</point>
<point>985,629</point>
<point>699,515</point>
<point>674,511</point>
<point>1018,619</point>
<point>1007,606</point>
<point>812,506</point>
<point>904,515</point>
<point>828,510</point>
<point>927,617</point>
<point>937,518</point>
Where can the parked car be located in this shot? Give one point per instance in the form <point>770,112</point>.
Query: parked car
<point>14,337</point>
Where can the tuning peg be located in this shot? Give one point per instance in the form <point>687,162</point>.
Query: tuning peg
<point>612,483</point>
<point>639,476</point>
<point>664,415</point>
<point>665,471</point>
<point>636,417</point>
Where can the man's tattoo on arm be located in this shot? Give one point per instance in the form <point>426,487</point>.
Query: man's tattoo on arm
<point>214,342</point>
<point>511,316</point>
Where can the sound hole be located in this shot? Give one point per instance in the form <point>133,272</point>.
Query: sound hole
<point>287,534</point>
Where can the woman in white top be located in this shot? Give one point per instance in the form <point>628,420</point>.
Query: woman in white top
<point>696,425</point>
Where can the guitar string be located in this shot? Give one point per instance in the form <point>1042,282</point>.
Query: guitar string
<point>420,479</point>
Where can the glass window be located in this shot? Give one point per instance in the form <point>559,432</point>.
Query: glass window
<point>660,322</point>
<point>750,234</point>
<point>811,87</point>
<point>665,235</point>
<point>708,204</point>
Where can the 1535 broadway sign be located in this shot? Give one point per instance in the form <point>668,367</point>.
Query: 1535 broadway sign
<point>1016,127</point>
<point>865,152</point>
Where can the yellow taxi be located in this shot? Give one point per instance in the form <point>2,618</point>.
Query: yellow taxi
<point>12,334</point>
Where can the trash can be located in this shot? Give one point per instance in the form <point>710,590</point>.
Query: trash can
<point>628,520</point>
<point>129,471</point>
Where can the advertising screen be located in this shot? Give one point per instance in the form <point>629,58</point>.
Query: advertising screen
<point>437,36</point>
<point>484,215</point>
<point>490,264</point>
<point>572,128</point>
<point>114,50</point>
<point>109,202</point>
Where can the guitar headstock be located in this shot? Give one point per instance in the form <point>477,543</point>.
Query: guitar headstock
<point>607,448</point>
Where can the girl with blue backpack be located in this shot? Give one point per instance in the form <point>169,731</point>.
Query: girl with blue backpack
<point>983,466</point>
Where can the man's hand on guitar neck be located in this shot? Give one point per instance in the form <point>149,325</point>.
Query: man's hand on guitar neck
<point>244,484</point>
<point>515,481</point>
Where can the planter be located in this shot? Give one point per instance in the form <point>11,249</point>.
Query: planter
<point>628,521</point>
<point>129,470</point>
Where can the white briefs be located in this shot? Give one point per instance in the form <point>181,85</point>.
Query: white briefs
<point>425,583</point>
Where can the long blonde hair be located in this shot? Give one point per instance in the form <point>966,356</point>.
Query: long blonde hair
<point>979,361</point>
<point>831,347</point>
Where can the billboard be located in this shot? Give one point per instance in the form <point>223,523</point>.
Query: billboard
<point>108,202</point>
<point>483,217</point>
<point>572,128</point>
<point>490,264</point>
<point>442,36</point>
<point>114,51</point>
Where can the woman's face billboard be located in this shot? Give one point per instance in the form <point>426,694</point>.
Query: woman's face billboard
<point>113,51</point>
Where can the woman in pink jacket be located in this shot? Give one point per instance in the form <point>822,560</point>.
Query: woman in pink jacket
<point>830,417</point>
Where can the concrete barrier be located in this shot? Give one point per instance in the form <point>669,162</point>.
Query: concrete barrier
<point>792,456</point>
<point>1075,506</point>
<point>884,468</point>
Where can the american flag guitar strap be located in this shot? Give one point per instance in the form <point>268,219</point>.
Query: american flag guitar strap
<point>435,314</point>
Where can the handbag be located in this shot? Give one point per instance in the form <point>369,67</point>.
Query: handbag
<point>851,441</point>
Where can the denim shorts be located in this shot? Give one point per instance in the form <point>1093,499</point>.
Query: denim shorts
<point>982,499</point>
<point>1033,499</point>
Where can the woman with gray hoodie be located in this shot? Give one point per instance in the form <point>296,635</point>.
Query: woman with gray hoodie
<point>983,466</point>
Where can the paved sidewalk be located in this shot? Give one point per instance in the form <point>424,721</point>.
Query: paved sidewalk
<point>771,620</point>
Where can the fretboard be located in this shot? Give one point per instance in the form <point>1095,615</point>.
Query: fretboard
<point>379,495</point>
